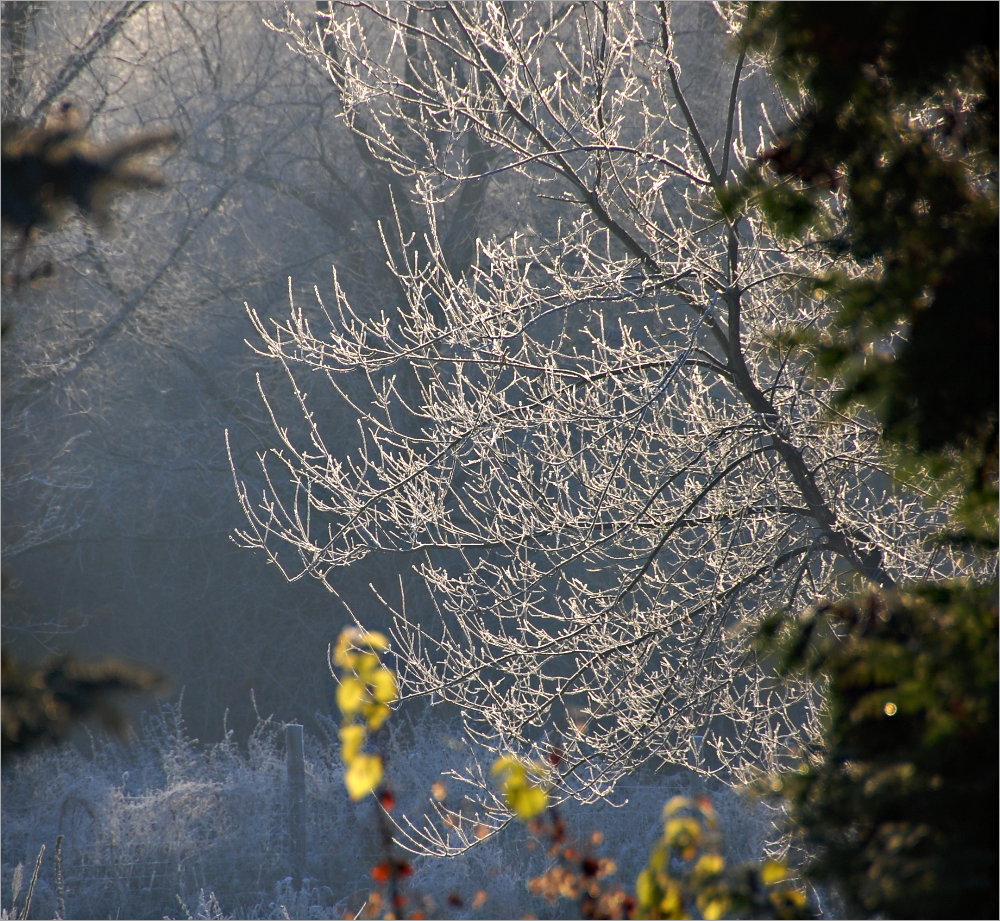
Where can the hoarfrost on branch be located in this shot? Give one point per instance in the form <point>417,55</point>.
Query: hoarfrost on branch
<point>574,420</point>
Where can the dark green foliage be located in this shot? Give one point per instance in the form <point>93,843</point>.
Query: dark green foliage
<point>900,806</point>
<point>900,116</point>
<point>44,703</point>
<point>50,168</point>
<point>893,164</point>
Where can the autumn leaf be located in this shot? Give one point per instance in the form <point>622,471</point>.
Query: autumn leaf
<point>351,696</point>
<point>672,902</point>
<point>363,775</point>
<point>351,740</point>
<point>713,907</point>
<point>375,715</point>
<point>676,804</point>
<point>383,685</point>
<point>352,639</point>
<point>526,801</point>
<point>508,765</point>
<point>709,865</point>
<point>773,871</point>
<point>646,889</point>
<point>683,835</point>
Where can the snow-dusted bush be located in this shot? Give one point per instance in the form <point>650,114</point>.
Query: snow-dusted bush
<point>152,825</point>
<point>163,825</point>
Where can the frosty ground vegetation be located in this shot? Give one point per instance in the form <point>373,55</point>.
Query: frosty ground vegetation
<point>165,826</point>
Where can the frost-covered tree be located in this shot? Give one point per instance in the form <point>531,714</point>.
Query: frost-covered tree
<point>582,430</point>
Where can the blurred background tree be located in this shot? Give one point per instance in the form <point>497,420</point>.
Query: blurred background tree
<point>892,160</point>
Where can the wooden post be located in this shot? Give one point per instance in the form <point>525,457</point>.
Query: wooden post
<point>295,764</point>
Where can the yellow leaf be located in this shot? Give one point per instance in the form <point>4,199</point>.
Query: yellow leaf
<point>358,639</point>
<point>342,654</point>
<point>713,908</point>
<point>351,696</point>
<point>659,859</point>
<point>373,640</point>
<point>647,893</point>
<point>375,715</point>
<point>672,902</point>
<point>508,765</point>
<point>363,775</point>
<point>788,900</point>
<point>365,663</point>
<point>773,871</point>
<point>383,684</point>
<point>709,865</point>
<point>676,804</point>
<point>683,835</point>
<point>351,740</point>
<point>526,801</point>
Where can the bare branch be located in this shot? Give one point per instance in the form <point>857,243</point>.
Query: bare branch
<point>583,438</point>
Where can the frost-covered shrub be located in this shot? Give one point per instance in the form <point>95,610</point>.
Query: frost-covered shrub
<point>165,826</point>
<point>158,820</point>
